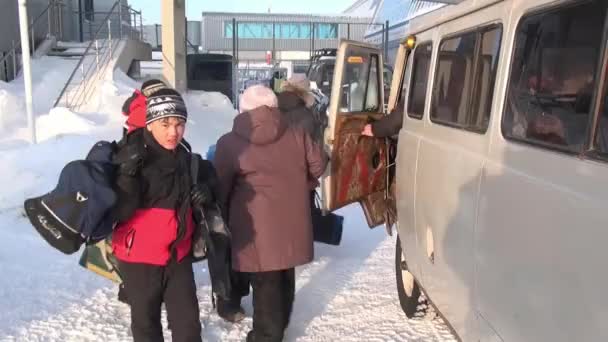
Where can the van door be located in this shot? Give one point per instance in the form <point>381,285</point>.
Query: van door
<point>453,149</point>
<point>358,164</point>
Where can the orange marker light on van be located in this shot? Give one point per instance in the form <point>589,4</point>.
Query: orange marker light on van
<point>410,42</point>
<point>355,60</point>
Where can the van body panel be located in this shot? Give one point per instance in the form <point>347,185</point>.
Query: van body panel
<point>540,235</point>
<point>506,238</point>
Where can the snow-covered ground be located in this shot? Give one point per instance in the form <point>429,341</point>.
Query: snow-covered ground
<point>347,294</point>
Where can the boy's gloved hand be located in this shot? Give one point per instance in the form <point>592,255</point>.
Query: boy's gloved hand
<point>129,159</point>
<point>200,195</point>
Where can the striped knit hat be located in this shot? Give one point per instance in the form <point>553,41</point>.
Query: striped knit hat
<point>165,103</point>
<point>151,86</point>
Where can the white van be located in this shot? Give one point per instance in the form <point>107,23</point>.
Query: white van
<point>502,174</point>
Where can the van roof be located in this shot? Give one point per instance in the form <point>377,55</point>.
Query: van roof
<point>445,14</point>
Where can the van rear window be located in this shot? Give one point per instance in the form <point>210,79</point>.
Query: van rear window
<point>555,63</point>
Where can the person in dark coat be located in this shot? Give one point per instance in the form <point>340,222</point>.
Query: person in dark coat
<point>134,107</point>
<point>153,238</point>
<point>264,167</point>
<point>296,102</point>
<point>388,126</point>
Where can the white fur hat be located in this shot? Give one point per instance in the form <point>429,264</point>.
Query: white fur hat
<point>298,81</point>
<point>257,96</point>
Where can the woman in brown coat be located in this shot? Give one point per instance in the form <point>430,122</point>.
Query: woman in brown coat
<point>264,169</point>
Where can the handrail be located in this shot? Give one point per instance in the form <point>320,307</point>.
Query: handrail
<point>86,51</point>
<point>194,47</point>
<point>41,14</point>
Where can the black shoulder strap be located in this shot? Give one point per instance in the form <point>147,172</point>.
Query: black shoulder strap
<point>194,165</point>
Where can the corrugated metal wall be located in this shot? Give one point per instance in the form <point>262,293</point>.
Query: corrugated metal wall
<point>214,38</point>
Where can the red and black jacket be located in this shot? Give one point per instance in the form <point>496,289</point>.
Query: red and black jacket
<point>135,110</point>
<point>153,210</point>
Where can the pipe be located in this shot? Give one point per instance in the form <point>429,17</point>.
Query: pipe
<point>27,68</point>
<point>80,21</point>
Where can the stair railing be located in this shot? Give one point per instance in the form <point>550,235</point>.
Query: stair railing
<point>118,23</point>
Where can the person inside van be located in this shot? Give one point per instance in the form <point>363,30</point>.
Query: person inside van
<point>388,126</point>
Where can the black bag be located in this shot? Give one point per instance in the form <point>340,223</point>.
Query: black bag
<point>326,228</point>
<point>211,240</point>
<point>78,209</point>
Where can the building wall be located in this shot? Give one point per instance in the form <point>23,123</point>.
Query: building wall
<point>215,38</point>
<point>153,34</point>
<point>101,9</point>
<point>9,21</point>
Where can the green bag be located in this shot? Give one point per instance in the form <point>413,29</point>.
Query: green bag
<point>98,258</point>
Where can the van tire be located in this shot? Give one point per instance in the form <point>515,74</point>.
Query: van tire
<point>410,303</point>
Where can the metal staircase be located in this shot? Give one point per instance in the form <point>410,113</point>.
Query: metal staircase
<point>96,60</point>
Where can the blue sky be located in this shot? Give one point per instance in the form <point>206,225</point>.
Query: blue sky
<point>194,8</point>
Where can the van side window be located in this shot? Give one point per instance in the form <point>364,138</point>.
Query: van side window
<point>553,75</point>
<point>420,80</point>
<point>464,83</point>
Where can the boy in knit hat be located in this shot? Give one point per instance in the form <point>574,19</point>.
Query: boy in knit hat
<point>134,107</point>
<point>153,238</point>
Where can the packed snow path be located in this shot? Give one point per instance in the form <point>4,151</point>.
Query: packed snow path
<point>347,294</point>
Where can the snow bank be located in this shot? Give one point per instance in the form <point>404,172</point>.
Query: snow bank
<point>49,75</point>
<point>12,112</point>
<point>210,116</point>
<point>62,121</point>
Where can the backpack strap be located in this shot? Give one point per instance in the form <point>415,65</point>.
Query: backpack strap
<point>194,165</point>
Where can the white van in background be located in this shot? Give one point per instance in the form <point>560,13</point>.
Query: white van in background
<point>502,164</point>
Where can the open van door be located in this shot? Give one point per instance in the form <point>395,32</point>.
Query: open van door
<point>358,164</point>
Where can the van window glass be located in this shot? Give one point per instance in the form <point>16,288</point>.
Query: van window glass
<point>553,75</point>
<point>465,79</point>
<point>601,138</point>
<point>487,65</point>
<point>453,81</point>
<point>360,90</point>
<point>420,80</point>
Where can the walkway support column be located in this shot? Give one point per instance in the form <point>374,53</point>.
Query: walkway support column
<point>174,42</point>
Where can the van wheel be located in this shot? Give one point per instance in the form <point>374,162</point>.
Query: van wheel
<point>407,287</point>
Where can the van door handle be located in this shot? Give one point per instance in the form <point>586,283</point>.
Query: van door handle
<point>376,160</point>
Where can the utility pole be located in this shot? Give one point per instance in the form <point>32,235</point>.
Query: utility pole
<point>27,68</point>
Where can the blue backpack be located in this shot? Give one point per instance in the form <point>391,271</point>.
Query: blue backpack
<point>79,209</point>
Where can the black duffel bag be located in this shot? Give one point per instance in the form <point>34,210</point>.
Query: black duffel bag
<point>326,228</point>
